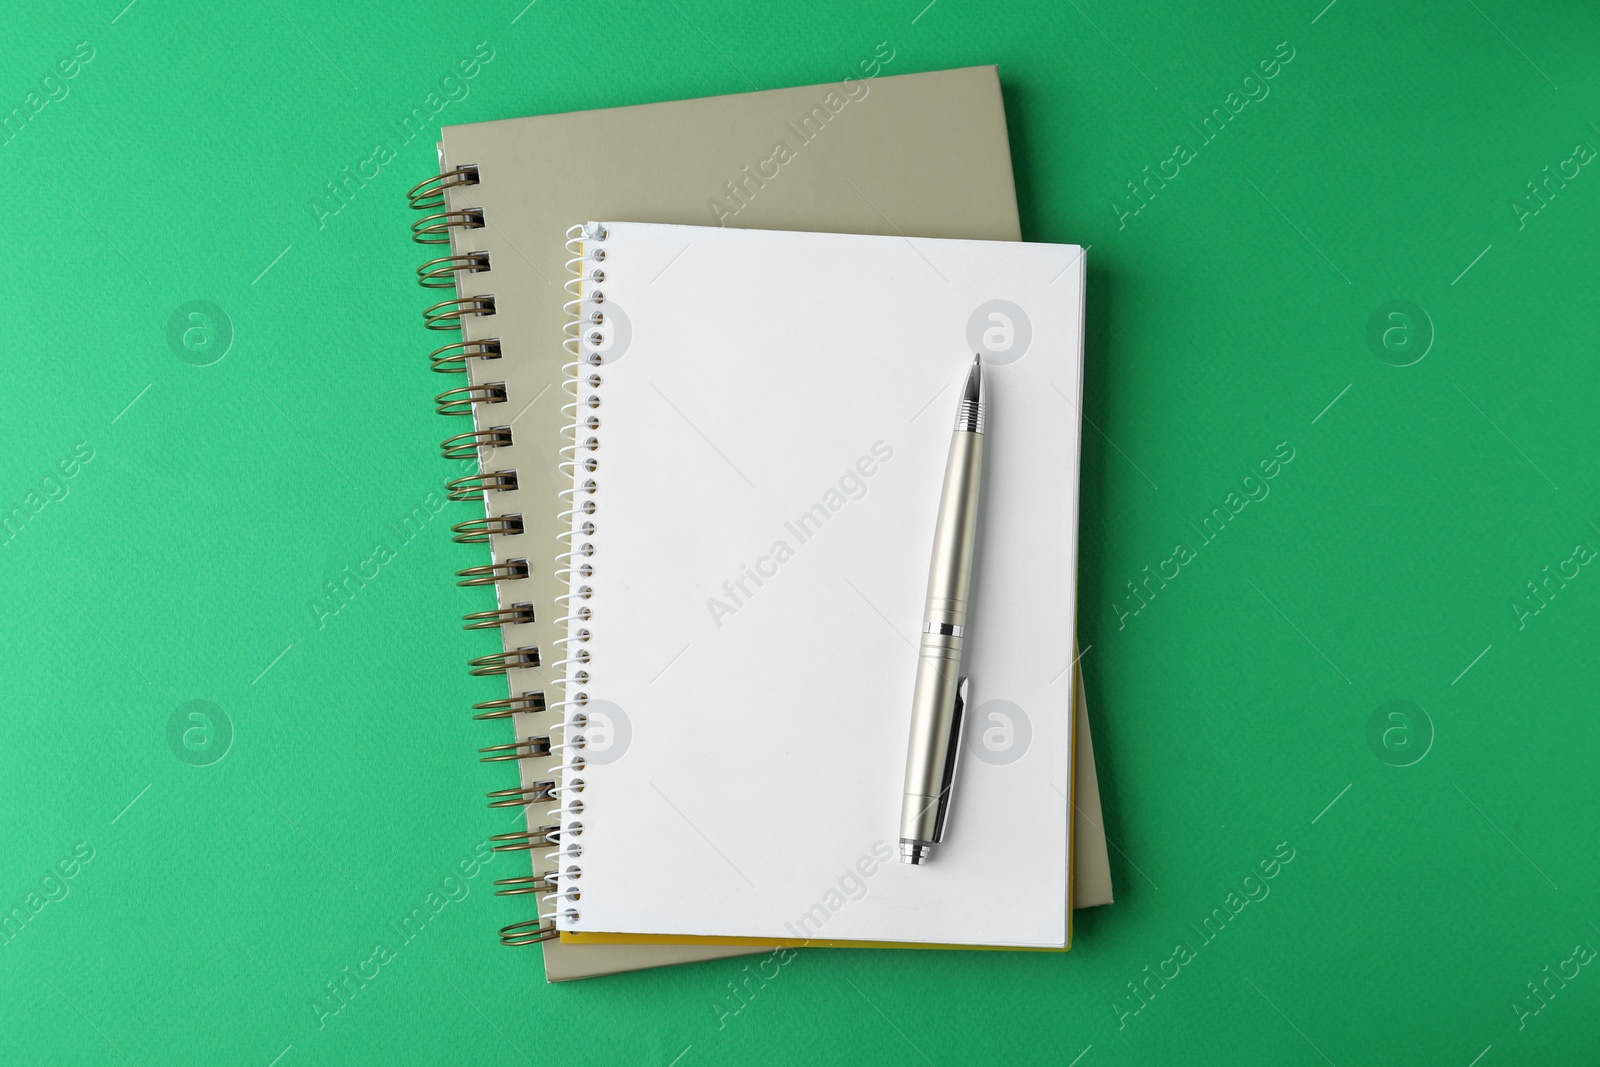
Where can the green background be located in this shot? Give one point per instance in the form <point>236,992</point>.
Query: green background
<point>1233,713</point>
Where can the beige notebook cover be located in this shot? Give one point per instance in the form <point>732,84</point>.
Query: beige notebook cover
<point>921,154</point>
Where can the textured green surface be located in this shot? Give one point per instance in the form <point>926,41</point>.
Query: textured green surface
<point>186,559</point>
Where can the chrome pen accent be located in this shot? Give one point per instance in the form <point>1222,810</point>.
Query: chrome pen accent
<point>939,700</point>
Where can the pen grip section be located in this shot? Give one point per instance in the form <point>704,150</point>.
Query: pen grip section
<point>955,534</point>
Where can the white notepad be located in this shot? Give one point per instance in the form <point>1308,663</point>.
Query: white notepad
<point>759,455</point>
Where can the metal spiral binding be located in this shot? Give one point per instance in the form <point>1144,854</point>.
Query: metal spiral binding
<point>473,486</point>
<point>452,358</point>
<point>428,194</point>
<point>435,229</point>
<point>493,573</point>
<point>522,796</point>
<point>501,662</point>
<point>448,222</point>
<point>505,707</point>
<point>468,445</point>
<point>528,932</point>
<point>460,401</point>
<point>478,532</point>
<point>441,273</point>
<point>529,748</point>
<point>528,883</point>
<point>447,314</point>
<point>527,840</point>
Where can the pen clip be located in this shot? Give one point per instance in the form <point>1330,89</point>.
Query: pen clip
<point>958,722</point>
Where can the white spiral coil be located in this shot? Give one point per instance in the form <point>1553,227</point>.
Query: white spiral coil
<point>584,332</point>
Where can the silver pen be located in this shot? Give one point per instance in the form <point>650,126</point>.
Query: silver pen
<point>938,704</point>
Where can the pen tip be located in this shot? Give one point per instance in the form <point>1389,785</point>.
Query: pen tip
<point>969,414</point>
<point>974,387</point>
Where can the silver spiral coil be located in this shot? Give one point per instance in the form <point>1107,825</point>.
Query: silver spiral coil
<point>584,332</point>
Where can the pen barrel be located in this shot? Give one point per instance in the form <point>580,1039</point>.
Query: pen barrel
<point>935,727</point>
<point>930,755</point>
<point>955,534</point>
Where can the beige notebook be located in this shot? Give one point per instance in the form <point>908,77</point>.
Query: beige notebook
<point>922,154</point>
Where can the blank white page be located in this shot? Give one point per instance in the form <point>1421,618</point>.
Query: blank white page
<point>774,414</point>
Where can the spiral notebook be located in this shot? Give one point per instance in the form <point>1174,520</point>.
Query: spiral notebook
<point>915,153</point>
<point>756,442</point>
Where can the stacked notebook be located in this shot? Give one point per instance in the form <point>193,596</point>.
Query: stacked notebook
<point>709,352</point>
